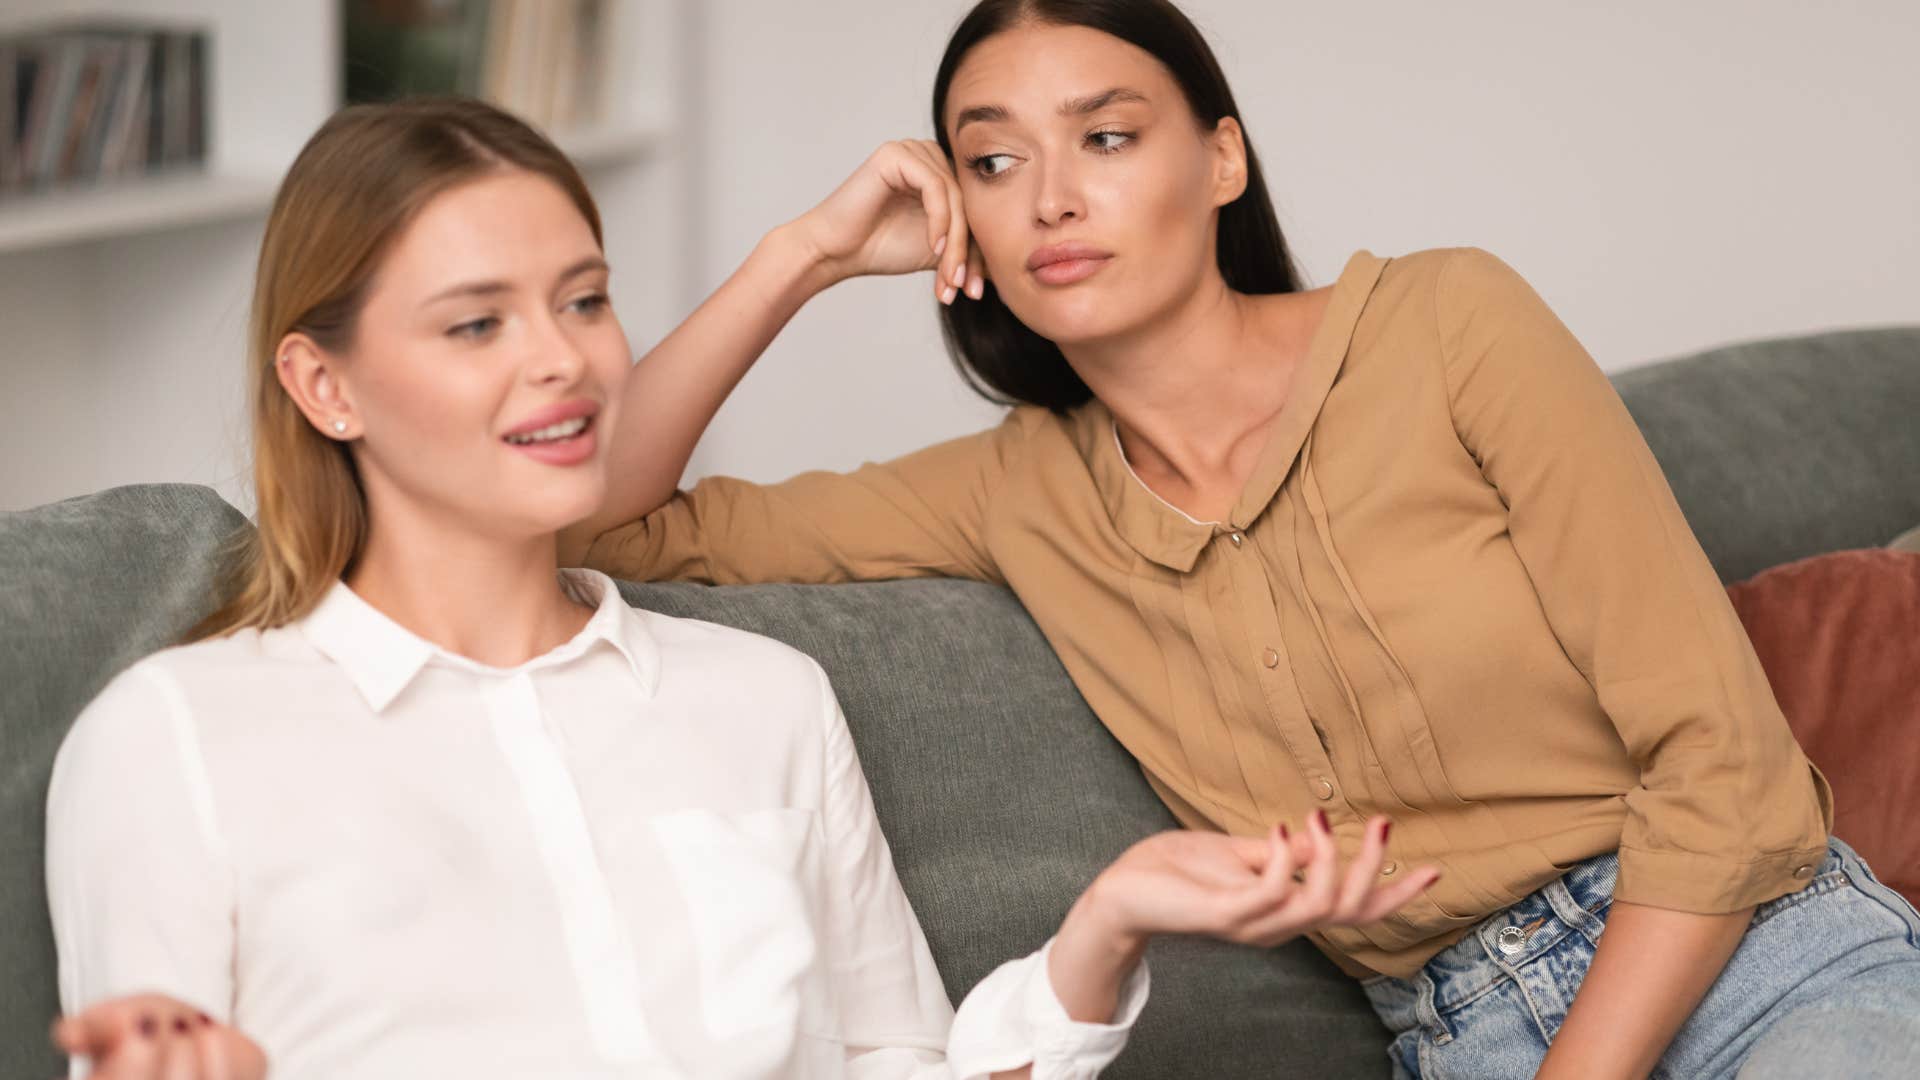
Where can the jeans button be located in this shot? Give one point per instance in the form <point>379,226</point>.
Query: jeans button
<point>1510,940</point>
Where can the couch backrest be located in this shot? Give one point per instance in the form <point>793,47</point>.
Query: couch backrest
<point>1778,450</point>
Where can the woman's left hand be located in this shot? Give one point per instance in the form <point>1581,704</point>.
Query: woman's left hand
<point>152,1037</point>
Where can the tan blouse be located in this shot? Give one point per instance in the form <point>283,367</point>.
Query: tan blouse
<point>1456,591</point>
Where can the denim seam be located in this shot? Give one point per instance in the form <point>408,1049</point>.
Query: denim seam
<point>1872,888</point>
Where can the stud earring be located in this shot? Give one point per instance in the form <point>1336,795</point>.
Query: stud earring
<point>339,427</point>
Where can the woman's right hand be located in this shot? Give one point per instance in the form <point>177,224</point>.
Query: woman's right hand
<point>1259,892</point>
<point>150,1036</point>
<point>898,213</point>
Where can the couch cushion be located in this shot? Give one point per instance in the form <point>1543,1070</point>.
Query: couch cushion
<point>87,586</point>
<point>1002,797</point>
<point>1839,636</point>
<point>1782,449</point>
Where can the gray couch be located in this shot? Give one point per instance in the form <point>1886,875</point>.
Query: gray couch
<point>1000,791</point>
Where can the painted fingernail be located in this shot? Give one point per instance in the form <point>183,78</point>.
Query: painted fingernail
<point>940,247</point>
<point>180,1025</point>
<point>960,275</point>
<point>1284,835</point>
<point>205,1020</point>
<point>976,287</point>
<point>147,1027</point>
<point>1386,828</point>
<point>1321,817</point>
<point>946,295</point>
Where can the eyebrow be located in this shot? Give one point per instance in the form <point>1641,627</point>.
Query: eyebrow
<point>494,288</point>
<point>1079,106</point>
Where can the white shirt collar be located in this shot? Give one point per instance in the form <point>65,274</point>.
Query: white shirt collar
<point>381,657</point>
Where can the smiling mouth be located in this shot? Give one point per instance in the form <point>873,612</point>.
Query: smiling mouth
<point>564,431</point>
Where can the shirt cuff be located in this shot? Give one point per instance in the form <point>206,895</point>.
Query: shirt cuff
<point>1014,1018</point>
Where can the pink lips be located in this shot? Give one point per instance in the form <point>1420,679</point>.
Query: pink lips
<point>568,451</point>
<point>1064,264</point>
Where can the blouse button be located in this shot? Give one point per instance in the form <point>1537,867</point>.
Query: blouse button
<point>1803,872</point>
<point>1270,658</point>
<point>1324,789</point>
<point>1236,538</point>
<point>1387,870</point>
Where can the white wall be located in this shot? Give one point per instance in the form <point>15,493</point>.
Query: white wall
<point>1670,176</point>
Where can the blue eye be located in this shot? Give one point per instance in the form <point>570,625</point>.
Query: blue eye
<point>475,329</point>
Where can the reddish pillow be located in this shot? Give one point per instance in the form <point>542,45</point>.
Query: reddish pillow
<point>1839,636</point>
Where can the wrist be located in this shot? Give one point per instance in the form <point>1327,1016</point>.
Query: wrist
<point>1091,958</point>
<point>1099,930</point>
<point>791,252</point>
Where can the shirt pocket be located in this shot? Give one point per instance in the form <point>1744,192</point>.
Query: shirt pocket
<point>752,885</point>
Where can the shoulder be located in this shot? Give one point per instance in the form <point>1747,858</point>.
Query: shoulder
<point>721,656</point>
<point>1450,273</point>
<point>156,684</point>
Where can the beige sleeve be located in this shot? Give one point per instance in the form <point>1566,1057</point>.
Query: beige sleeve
<point>1727,807</point>
<point>922,515</point>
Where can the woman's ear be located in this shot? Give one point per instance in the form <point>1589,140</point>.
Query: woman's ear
<point>310,376</point>
<point>1229,145</point>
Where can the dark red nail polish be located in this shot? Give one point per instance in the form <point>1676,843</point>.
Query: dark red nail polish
<point>1284,835</point>
<point>1321,817</point>
<point>1386,828</point>
<point>205,1020</point>
<point>148,1027</point>
<point>179,1025</point>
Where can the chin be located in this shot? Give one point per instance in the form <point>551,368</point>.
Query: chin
<point>1076,319</point>
<point>549,511</point>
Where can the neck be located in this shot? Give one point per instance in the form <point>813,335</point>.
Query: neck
<point>1191,390</point>
<point>492,600</point>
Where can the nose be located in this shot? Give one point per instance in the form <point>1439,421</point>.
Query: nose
<point>1059,198</point>
<point>556,359</point>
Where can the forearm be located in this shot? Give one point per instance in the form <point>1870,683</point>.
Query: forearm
<point>1651,969</point>
<point>675,390</point>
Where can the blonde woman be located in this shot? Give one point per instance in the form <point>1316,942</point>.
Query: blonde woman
<point>414,805</point>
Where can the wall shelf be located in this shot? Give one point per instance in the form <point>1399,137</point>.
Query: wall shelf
<point>73,216</point>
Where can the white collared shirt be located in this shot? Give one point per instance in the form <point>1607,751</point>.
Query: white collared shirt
<point>649,852</point>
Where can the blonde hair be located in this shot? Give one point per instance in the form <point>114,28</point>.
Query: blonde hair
<point>355,186</point>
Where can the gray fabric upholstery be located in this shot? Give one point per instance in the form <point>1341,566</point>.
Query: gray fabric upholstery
<point>87,586</point>
<point>1000,793</point>
<point>1782,449</point>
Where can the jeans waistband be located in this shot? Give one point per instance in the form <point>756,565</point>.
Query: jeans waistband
<point>1508,938</point>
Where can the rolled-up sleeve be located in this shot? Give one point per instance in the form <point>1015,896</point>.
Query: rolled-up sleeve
<point>922,515</point>
<point>1728,808</point>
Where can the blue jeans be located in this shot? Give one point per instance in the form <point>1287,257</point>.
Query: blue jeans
<point>1826,982</point>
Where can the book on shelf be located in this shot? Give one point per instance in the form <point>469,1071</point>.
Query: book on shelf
<point>543,60</point>
<point>98,101</point>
